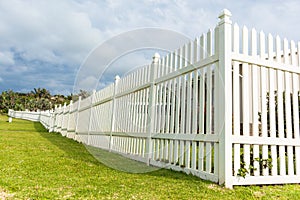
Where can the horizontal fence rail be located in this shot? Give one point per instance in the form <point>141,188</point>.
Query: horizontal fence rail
<point>224,107</point>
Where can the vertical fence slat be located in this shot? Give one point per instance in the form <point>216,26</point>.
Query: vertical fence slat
<point>201,156</point>
<point>188,106</point>
<point>201,101</point>
<point>255,100</point>
<point>177,109</point>
<point>182,118</point>
<point>168,91</point>
<point>164,103</point>
<point>216,92</point>
<point>209,103</point>
<point>282,164</point>
<point>287,103</point>
<point>172,97</point>
<point>139,111</point>
<point>135,111</point>
<point>236,99</point>
<point>140,114</point>
<point>202,47</point>
<point>263,101</point>
<point>143,111</point>
<point>245,97</point>
<point>272,112</point>
<point>195,107</point>
<point>131,111</point>
<point>182,106</point>
<point>208,116</point>
<point>173,105</point>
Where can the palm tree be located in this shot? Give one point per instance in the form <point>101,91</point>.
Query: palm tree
<point>41,93</point>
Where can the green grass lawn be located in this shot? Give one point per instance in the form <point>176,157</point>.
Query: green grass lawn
<point>35,164</point>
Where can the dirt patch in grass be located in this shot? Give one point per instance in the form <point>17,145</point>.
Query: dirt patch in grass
<point>4,195</point>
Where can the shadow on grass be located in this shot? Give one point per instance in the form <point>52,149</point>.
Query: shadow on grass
<point>119,162</point>
<point>39,127</point>
<point>93,155</point>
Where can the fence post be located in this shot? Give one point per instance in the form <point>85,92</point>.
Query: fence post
<point>151,107</point>
<point>113,118</point>
<point>59,119</point>
<point>224,105</point>
<point>40,114</point>
<point>69,116</point>
<point>77,117</point>
<point>51,121</point>
<point>64,118</point>
<point>91,115</point>
<point>54,119</point>
<point>9,112</point>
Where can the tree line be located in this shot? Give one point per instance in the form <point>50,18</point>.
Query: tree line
<point>37,99</point>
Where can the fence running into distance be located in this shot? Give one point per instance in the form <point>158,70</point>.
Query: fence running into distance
<point>224,107</point>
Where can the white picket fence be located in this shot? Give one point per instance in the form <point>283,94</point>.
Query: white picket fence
<point>224,107</point>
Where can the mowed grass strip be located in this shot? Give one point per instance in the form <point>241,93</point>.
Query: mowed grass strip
<point>35,164</point>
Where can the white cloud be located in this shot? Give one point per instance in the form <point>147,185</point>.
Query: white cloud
<point>87,83</point>
<point>17,69</point>
<point>6,58</point>
<point>54,32</point>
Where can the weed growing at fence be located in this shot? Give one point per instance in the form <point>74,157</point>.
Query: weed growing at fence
<point>263,163</point>
<point>35,164</point>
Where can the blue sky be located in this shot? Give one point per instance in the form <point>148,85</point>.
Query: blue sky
<point>43,43</point>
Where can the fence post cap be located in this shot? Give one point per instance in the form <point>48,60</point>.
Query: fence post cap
<point>225,13</point>
<point>225,16</point>
<point>117,77</point>
<point>156,57</point>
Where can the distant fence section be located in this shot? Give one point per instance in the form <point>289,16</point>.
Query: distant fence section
<point>224,107</point>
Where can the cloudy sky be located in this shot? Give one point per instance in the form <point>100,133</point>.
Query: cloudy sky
<point>45,43</point>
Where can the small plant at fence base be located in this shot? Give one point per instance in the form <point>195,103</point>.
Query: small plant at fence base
<point>263,163</point>
<point>243,171</point>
